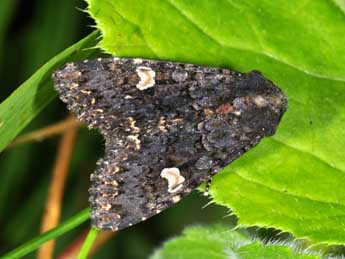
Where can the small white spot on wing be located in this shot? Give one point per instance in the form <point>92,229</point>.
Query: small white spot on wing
<point>107,206</point>
<point>132,122</point>
<point>174,178</point>
<point>147,76</point>
<point>73,85</point>
<point>135,139</point>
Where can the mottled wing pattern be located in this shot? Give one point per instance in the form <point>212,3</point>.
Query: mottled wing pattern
<point>167,127</point>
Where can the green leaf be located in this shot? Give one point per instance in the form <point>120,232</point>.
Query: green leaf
<point>35,243</point>
<point>221,243</point>
<point>294,180</point>
<point>35,93</point>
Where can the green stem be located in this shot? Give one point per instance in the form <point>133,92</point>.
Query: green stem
<point>33,244</point>
<point>90,239</point>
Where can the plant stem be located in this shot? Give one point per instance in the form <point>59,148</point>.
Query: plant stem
<point>52,213</point>
<point>90,239</point>
<point>49,131</point>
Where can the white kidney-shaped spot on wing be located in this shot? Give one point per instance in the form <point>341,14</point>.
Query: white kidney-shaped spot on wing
<point>147,77</point>
<point>174,178</point>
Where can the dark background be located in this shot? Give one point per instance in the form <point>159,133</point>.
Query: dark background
<point>31,33</point>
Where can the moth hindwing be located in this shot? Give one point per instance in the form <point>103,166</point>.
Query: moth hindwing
<point>167,126</point>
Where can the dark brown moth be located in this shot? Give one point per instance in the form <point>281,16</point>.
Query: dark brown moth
<point>168,127</point>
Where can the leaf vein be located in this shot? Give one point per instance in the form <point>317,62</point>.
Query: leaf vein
<point>293,195</point>
<point>308,153</point>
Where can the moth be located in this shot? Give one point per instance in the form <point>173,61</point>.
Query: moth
<point>168,127</point>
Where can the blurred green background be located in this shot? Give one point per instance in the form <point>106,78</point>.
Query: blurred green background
<point>31,33</point>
